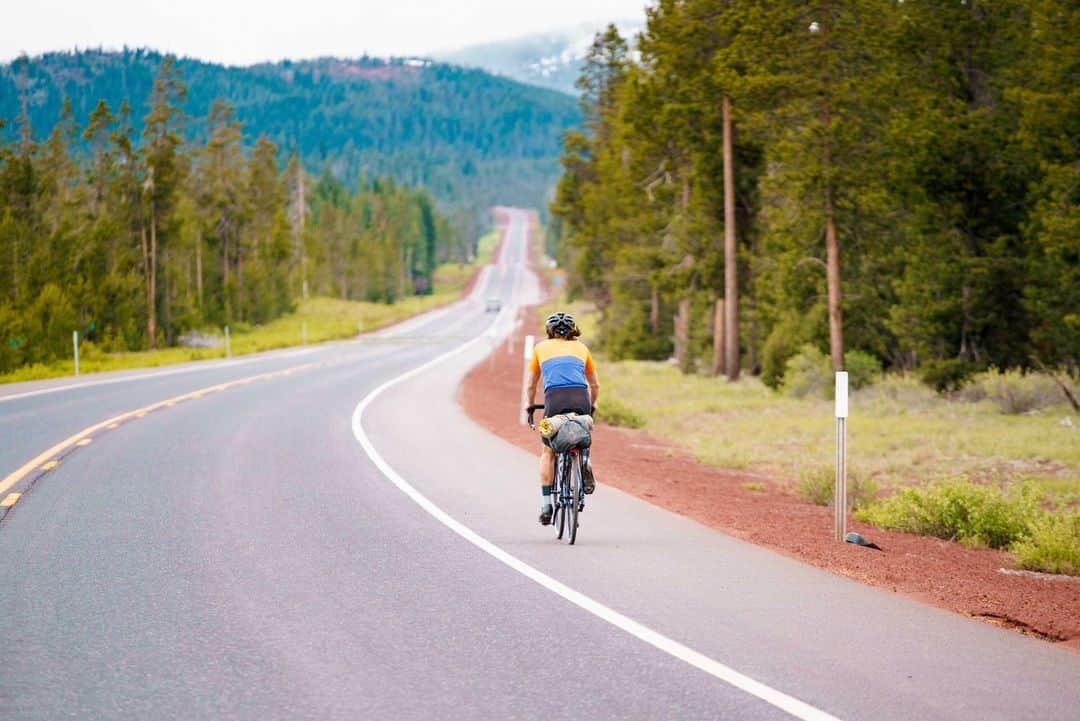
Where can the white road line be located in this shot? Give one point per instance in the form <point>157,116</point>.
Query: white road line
<point>795,707</point>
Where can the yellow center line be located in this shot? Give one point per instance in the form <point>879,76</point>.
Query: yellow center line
<point>85,442</point>
<point>10,500</point>
<point>43,459</point>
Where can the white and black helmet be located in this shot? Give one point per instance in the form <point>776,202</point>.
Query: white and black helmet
<point>560,324</point>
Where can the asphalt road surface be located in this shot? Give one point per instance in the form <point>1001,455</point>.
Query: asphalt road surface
<point>323,534</point>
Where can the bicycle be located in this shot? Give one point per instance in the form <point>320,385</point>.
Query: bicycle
<point>568,491</point>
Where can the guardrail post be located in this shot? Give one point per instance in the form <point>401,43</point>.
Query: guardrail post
<point>75,344</point>
<point>840,492</point>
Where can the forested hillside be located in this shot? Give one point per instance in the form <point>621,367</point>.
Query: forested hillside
<point>472,139</point>
<point>904,185</point>
<point>120,228</point>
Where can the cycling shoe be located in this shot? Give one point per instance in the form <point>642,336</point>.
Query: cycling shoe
<point>545,515</point>
<point>588,483</point>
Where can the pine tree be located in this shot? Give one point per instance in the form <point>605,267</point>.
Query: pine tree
<point>164,175</point>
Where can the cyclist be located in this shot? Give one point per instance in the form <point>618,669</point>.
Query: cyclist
<point>570,386</point>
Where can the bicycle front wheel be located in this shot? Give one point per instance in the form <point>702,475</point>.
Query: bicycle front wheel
<point>573,483</point>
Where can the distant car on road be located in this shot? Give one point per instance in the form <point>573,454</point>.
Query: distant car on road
<point>493,305</point>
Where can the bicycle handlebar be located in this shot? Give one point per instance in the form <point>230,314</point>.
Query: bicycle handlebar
<point>540,406</point>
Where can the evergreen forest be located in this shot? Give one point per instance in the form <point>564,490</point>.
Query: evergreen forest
<point>472,139</point>
<point>892,182</point>
<point>122,225</point>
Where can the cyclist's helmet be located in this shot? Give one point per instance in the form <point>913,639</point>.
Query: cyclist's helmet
<point>560,324</point>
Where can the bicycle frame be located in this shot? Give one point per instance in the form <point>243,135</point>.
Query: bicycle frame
<point>561,486</point>
<point>568,498</point>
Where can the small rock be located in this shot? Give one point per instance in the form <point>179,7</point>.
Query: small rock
<point>1067,422</point>
<point>858,540</point>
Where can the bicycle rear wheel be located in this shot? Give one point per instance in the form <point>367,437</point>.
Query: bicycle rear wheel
<point>573,484</point>
<point>559,517</point>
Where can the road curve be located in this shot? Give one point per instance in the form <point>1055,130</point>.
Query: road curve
<point>240,555</point>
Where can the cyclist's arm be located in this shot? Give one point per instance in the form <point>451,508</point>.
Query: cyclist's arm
<point>594,384</point>
<point>591,378</point>
<point>534,382</point>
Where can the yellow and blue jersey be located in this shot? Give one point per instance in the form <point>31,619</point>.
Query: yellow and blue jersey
<point>562,363</point>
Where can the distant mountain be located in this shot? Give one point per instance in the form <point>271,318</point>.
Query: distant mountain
<point>550,60</point>
<point>471,138</point>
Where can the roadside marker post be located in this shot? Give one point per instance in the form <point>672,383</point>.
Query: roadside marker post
<point>75,344</point>
<point>228,343</point>
<point>840,494</point>
<point>530,341</point>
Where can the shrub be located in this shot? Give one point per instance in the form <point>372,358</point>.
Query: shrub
<point>817,485</point>
<point>863,369</point>
<point>900,394</point>
<point>784,341</point>
<point>807,374</point>
<point>1054,545</point>
<point>947,375</point>
<point>959,510</point>
<point>1014,392</point>
<point>616,413</point>
<point>48,323</point>
<point>755,486</point>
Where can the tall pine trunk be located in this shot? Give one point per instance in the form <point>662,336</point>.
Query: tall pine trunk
<point>731,277</point>
<point>198,267</point>
<point>832,244</point>
<point>151,280</point>
<point>718,364</point>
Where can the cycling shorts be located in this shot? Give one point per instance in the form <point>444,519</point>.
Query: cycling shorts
<point>567,400</point>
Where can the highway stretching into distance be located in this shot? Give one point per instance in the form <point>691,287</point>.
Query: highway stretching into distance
<point>321,533</point>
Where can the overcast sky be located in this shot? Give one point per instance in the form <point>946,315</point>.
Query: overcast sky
<point>241,32</point>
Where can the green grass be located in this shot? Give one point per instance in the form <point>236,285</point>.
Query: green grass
<point>326,319</point>
<point>899,432</point>
<point>614,412</point>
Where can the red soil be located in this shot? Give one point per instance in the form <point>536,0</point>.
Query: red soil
<point>942,573</point>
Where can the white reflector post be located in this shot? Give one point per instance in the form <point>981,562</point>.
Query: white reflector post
<point>841,394</point>
<point>75,344</point>
<point>530,341</point>
<point>840,491</point>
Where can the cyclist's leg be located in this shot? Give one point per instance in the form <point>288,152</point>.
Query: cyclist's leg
<point>547,478</point>
<point>588,482</point>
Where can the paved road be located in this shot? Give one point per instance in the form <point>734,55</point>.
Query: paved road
<point>242,556</point>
